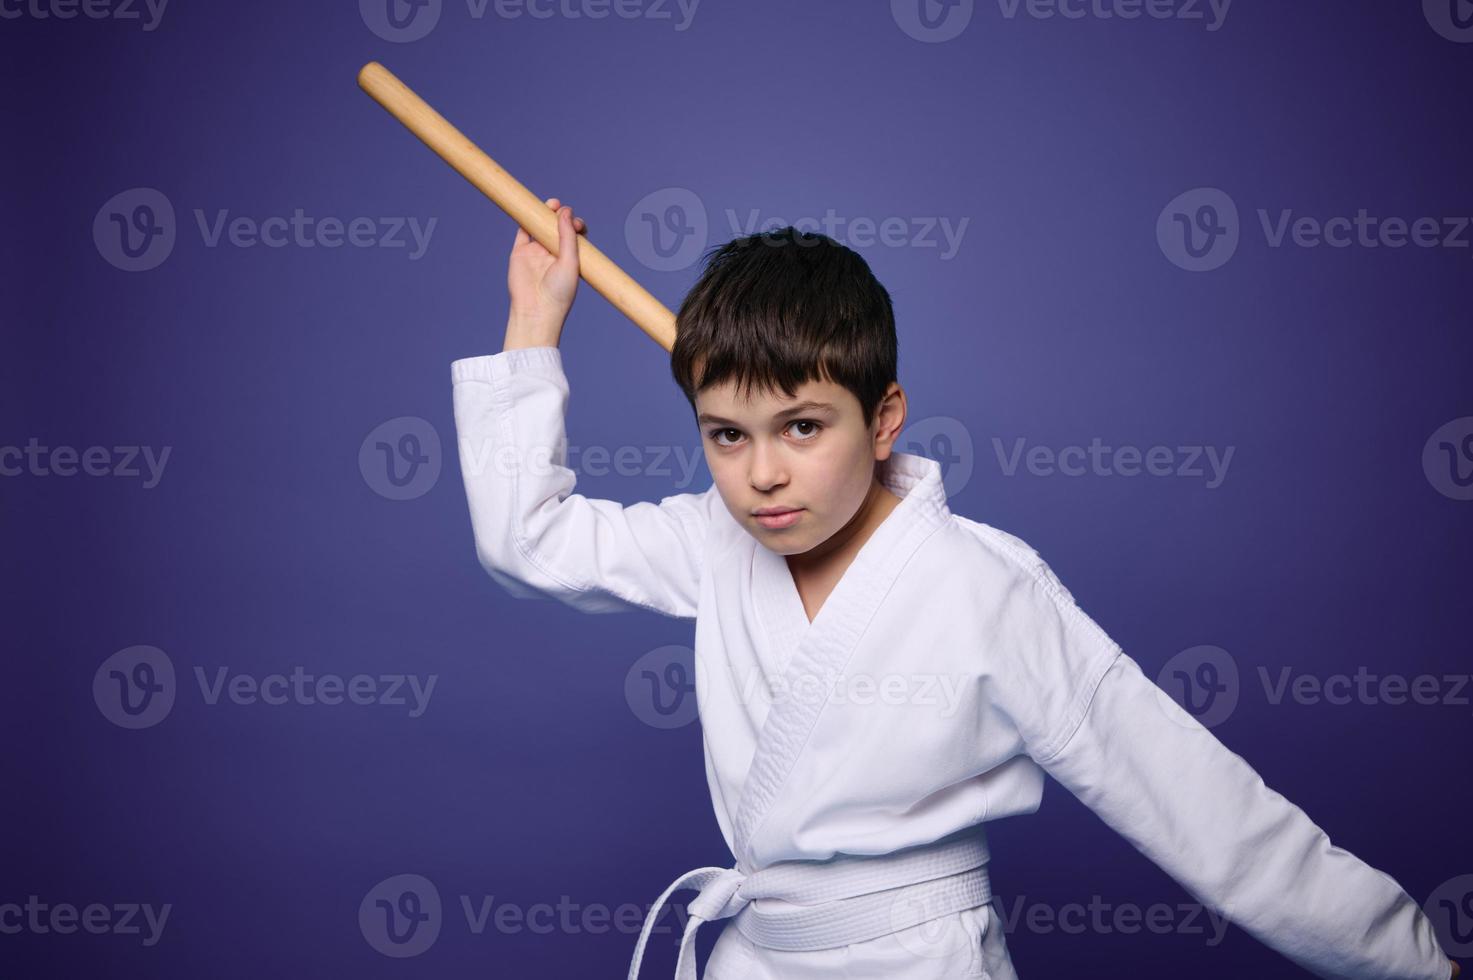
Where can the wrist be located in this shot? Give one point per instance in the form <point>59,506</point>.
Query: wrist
<point>532,331</point>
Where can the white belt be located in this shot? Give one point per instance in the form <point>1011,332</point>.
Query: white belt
<point>847,899</point>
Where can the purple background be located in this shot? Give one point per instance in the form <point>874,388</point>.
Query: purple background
<point>1060,319</point>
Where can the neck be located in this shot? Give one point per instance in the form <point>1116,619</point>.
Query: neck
<point>843,544</point>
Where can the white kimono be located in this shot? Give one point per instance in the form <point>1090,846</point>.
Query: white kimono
<point>994,677</point>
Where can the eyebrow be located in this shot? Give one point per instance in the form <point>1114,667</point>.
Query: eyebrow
<point>798,409</point>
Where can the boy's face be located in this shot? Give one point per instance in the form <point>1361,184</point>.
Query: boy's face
<point>811,453</point>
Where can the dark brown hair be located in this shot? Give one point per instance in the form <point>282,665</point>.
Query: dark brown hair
<point>777,309</point>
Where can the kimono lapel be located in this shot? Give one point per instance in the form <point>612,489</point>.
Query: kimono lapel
<point>813,655</point>
<point>779,607</point>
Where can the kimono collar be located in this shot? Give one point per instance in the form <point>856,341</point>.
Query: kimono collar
<point>805,651</point>
<point>908,475</point>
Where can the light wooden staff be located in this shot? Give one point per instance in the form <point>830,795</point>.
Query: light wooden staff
<point>524,207</point>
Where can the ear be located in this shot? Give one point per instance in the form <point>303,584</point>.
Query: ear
<point>889,420</point>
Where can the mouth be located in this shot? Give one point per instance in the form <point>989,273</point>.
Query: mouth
<point>776,517</point>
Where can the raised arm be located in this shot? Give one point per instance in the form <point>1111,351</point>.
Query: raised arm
<point>534,535</point>
<point>1165,783</point>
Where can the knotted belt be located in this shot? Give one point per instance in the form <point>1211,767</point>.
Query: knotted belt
<point>846,899</point>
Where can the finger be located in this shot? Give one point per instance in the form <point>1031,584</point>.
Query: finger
<point>556,205</point>
<point>578,223</point>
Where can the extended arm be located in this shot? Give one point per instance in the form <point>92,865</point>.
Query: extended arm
<point>1164,782</point>
<point>1200,812</point>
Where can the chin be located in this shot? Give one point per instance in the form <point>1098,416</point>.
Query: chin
<point>785,544</point>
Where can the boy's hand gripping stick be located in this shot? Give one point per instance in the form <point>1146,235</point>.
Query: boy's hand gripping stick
<point>524,207</point>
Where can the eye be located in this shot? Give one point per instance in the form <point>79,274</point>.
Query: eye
<point>715,433</point>
<point>809,422</point>
<point>813,430</point>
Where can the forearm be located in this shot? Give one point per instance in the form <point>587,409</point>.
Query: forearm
<point>1202,814</point>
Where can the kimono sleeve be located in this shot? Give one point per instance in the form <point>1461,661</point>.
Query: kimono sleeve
<point>1165,783</point>
<point>534,535</point>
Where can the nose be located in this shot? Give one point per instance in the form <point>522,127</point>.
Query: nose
<point>766,470</point>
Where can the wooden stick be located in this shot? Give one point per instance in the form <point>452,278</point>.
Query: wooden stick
<point>524,207</point>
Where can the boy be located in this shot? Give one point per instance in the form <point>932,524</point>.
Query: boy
<point>821,558</point>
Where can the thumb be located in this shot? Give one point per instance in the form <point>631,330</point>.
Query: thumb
<point>567,242</point>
